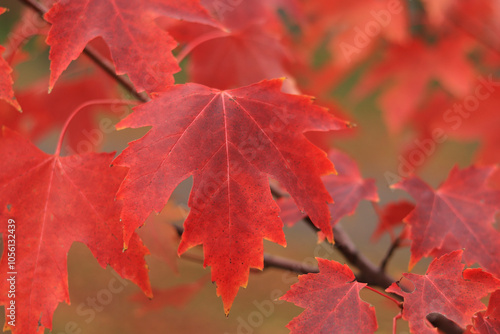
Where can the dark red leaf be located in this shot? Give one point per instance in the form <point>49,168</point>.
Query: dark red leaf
<point>347,189</point>
<point>332,302</point>
<point>458,215</point>
<point>446,288</point>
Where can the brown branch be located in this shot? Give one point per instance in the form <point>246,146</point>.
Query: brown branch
<point>368,272</point>
<point>94,56</point>
<point>395,244</point>
<point>274,261</point>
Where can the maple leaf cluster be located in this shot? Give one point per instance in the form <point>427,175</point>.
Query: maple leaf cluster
<point>229,94</point>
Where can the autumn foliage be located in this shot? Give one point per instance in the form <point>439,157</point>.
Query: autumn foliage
<point>163,131</point>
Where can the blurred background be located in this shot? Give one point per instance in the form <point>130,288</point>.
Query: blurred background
<point>405,72</point>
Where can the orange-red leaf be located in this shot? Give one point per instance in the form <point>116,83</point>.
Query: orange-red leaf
<point>54,202</point>
<point>231,142</point>
<point>446,288</point>
<point>332,302</point>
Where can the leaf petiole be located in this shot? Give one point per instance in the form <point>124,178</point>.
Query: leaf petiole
<point>79,108</point>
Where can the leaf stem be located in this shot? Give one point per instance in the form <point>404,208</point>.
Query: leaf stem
<point>199,40</point>
<point>397,302</point>
<point>395,322</point>
<point>78,109</point>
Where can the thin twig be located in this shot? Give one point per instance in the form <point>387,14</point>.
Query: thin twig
<point>368,272</point>
<point>395,244</point>
<point>395,322</point>
<point>274,261</point>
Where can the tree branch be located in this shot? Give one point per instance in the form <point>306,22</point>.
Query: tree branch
<point>94,56</point>
<point>394,245</point>
<point>274,261</point>
<point>368,272</point>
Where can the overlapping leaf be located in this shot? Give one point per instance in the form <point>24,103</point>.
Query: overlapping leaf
<point>230,142</point>
<point>391,216</point>
<point>54,202</point>
<point>332,302</point>
<point>161,237</point>
<point>487,322</point>
<point>446,288</point>
<point>458,215</point>
<point>249,48</point>
<point>347,189</point>
<point>138,46</point>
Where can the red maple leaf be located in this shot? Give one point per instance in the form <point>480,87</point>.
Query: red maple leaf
<point>411,67</point>
<point>332,302</point>
<point>55,201</point>
<point>352,29</point>
<point>446,288</point>
<point>138,46</point>
<point>457,215</point>
<point>347,189</point>
<point>391,216</point>
<point>456,119</point>
<point>249,48</point>
<point>230,142</point>
<point>487,322</point>
<point>6,91</point>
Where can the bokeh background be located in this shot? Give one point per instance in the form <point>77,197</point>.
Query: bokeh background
<point>312,33</point>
